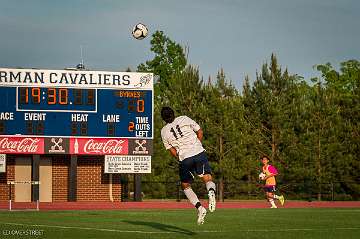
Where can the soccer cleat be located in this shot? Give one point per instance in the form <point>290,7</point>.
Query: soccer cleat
<point>282,200</point>
<point>212,201</point>
<point>273,206</point>
<point>201,215</point>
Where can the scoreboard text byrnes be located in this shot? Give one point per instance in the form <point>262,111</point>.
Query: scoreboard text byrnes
<point>76,103</point>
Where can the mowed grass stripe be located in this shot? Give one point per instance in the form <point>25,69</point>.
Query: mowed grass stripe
<point>167,232</point>
<point>165,224</point>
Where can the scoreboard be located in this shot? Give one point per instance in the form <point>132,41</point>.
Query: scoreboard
<point>75,112</point>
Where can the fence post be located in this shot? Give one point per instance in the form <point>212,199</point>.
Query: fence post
<point>308,184</point>
<point>178,189</point>
<point>332,191</point>
<point>10,206</point>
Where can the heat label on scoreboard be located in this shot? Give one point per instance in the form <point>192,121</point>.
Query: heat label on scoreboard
<point>60,103</point>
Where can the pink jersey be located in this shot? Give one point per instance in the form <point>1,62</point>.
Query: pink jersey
<point>270,170</point>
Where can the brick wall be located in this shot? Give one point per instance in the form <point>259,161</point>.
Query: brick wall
<point>5,177</point>
<point>60,175</point>
<point>93,183</point>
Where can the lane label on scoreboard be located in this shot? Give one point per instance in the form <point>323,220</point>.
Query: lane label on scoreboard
<point>127,164</point>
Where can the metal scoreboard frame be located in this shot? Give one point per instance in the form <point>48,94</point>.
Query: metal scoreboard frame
<point>76,112</point>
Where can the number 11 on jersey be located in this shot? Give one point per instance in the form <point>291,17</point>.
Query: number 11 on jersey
<point>178,130</point>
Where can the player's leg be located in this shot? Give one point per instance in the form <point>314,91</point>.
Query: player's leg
<point>270,197</point>
<point>280,198</point>
<point>203,170</point>
<point>191,195</point>
<point>186,178</point>
<point>210,186</point>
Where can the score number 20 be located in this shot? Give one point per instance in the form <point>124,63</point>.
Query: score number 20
<point>135,106</point>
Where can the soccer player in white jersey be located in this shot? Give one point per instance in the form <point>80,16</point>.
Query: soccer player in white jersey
<point>182,136</point>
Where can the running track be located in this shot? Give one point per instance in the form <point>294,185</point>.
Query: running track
<point>173,205</point>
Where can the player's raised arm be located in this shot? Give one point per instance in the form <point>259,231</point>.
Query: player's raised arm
<point>173,152</point>
<point>200,134</point>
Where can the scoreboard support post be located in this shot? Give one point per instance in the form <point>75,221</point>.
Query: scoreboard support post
<point>35,177</point>
<point>73,178</point>
<point>124,180</point>
<point>137,190</point>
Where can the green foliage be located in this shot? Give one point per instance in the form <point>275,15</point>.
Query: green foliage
<point>169,58</point>
<point>311,131</point>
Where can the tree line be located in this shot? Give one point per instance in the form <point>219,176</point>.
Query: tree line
<point>310,128</point>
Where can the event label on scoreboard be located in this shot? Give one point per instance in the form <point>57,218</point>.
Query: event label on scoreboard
<point>127,164</point>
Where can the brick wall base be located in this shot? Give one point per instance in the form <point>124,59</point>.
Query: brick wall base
<point>60,177</point>
<point>92,183</point>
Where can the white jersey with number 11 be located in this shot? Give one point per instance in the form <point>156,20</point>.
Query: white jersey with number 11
<point>181,134</point>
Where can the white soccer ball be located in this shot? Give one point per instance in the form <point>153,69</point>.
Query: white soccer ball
<point>139,31</point>
<point>262,176</point>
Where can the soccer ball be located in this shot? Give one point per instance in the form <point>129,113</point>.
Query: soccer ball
<point>139,31</point>
<point>262,176</point>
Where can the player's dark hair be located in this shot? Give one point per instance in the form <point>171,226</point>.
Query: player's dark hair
<point>167,114</point>
<point>265,156</point>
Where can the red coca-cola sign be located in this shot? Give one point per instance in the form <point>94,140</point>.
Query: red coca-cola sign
<point>99,146</point>
<point>21,145</point>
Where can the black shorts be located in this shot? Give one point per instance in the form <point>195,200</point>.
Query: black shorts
<point>197,164</point>
<point>270,189</point>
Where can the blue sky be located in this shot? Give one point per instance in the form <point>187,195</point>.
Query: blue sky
<point>238,36</point>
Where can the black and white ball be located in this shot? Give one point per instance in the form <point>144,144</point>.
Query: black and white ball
<point>262,176</point>
<point>139,31</point>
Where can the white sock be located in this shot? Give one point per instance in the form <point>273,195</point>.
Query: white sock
<point>272,202</point>
<point>210,185</point>
<point>191,196</point>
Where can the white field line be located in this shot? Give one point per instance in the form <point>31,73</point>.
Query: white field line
<point>82,228</point>
<point>179,231</point>
<point>302,229</point>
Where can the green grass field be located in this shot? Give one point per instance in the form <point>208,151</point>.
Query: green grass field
<point>222,224</point>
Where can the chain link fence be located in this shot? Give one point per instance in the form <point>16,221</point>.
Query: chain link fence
<point>245,190</point>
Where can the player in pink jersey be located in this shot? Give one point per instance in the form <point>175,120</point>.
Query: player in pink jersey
<point>270,182</point>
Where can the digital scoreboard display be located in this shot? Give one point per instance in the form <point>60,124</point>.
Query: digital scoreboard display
<point>76,107</point>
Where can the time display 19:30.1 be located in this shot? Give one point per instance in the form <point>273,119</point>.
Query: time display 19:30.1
<point>40,98</point>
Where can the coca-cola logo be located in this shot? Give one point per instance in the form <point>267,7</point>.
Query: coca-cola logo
<point>109,147</point>
<point>24,145</point>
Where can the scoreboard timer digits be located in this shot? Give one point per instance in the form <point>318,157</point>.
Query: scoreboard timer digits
<point>59,99</point>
